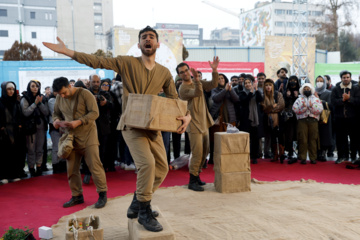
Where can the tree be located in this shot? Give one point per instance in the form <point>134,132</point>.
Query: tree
<point>329,27</point>
<point>101,53</point>
<point>348,48</point>
<point>22,52</point>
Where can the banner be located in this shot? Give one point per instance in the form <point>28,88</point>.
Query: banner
<point>229,69</point>
<point>334,69</point>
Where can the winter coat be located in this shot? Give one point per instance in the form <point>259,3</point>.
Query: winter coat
<point>220,96</point>
<point>302,111</point>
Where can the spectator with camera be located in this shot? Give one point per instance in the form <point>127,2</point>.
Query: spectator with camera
<point>105,105</point>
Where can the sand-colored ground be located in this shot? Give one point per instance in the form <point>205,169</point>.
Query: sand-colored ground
<point>272,210</point>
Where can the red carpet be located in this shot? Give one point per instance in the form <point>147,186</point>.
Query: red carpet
<point>37,202</point>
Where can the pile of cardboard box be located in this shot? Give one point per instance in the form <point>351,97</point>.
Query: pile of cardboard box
<point>232,162</point>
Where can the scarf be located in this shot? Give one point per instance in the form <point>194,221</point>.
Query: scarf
<point>253,112</point>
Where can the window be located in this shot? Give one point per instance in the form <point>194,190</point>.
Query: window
<point>279,11</point>
<point>32,15</point>
<point>98,17</point>
<point>98,27</point>
<point>289,24</point>
<point>279,24</point>
<point>2,52</point>
<point>4,33</point>
<point>33,34</point>
<point>97,7</point>
<point>289,12</point>
<point>3,12</point>
<point>50,16</point>
<point>46,16</point>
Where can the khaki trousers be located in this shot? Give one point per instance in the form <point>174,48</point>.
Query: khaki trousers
<point>200,144</point>
<point>92,159</point>
<point>307,137</point>
<point>148,151</point>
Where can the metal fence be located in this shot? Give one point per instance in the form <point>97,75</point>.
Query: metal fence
<point>238,54</point>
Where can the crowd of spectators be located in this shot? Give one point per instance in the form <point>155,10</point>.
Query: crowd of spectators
<point>283,117</point>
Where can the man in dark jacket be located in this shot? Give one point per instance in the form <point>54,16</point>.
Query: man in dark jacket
<point>345,99</point>
<point>280,84</point>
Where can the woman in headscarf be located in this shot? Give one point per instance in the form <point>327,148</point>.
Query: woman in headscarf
<point>307,109</point>
<point>250,98</point>
<point>325,130</point>
<point>291,94</point>
<point>272,105</point>
<point>36,111</point>
<point>222,110</point>
<point>12,159</point>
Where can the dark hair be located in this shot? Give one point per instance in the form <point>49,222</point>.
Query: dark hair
<point>72,80</point>
<point>118,77</point>
<point>261,74</point>
<point>80,84</point>
<point>250,77</point>
<point>59,83</point>
<point>47,87</point>
<point>293,77</point>
<point>243,75</point>
<point>234,77</point>
<point>328,77</point>
<point>225,78</point>
<point>344,73</point>
<point>199,72</point>
<point>278,71</point>
<point>181,65</point>
<point>149,29</point>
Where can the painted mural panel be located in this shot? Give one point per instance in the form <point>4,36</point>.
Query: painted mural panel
<point>278,54</point>
<point>169,54</point>
<point>255,25</point>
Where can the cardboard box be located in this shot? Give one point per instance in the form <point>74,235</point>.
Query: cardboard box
<point>230,143</point>
<point>153,112</point>
<point>232,182</point>
<point>226,163</point>
<point>97,233</point>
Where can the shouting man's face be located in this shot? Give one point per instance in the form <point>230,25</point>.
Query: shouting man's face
<point>148,43</point>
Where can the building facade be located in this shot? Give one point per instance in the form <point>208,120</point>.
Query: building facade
<point>274,18</point>
<point>31,21</point>
<point>192,34</point>
<point>81,24</point>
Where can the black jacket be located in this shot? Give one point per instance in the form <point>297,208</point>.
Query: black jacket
<point>347,109</point>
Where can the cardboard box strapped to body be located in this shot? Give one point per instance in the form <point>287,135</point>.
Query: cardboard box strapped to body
<point>230,143</point>
<point>82,230</point>
<point>153,112</point>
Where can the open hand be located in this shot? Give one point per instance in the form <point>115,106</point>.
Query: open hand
<point>214,64</point>
<point>195,74</point>
<point>59,47</point>
<point>38,99</point>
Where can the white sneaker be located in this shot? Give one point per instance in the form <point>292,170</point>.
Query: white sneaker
<point>122,165</point>
<point>130,167</point>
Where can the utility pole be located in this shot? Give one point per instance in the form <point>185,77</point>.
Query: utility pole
<point>72,19</point>
<point>20,21</point>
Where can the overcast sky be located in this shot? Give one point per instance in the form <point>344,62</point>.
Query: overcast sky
<point>139,13</point>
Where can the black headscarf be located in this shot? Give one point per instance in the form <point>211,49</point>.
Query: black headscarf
<point>297,88</point>
<point>108,81</point>
<point>29,95</point>
<point>7,101</point>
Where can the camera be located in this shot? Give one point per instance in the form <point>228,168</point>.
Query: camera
<point>99,98</point>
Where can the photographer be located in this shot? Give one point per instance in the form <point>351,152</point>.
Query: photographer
<point>105,105</point>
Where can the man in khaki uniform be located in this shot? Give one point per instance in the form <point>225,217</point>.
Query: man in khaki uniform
<point>140,75</point>
<point>193,92</point>
<point>85,137</point>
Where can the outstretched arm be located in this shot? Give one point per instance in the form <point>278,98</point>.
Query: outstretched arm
<point>59,47</point>
<point>208,85</point>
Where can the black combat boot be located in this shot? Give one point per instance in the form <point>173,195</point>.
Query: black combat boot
<point>201,183</point>
<point>147,219</point>
<point>75,200</point>
<point>134,207</point>
<point>102,200</point>
<point>194,185</point>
